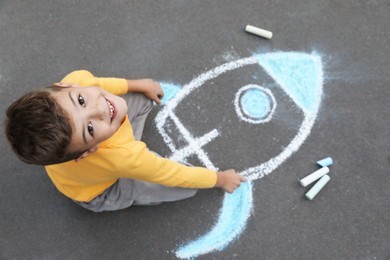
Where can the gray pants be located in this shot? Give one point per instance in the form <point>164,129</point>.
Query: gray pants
<point>127,192</point>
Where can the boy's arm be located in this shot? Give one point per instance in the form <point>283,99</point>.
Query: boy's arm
<point>139,163</point>
<point>84,78</point>
<point>150,88</point>
<point>118,86</point>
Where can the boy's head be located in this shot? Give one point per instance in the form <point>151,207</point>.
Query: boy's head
<point>38,128</point>
<point>62,122</point>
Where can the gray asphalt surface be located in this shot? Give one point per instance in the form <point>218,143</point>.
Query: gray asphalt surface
<point>175,41</point>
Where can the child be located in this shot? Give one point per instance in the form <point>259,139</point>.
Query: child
<point>88,139</point>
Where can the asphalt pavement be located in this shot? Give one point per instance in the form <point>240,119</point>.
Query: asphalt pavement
<point>327,63</point>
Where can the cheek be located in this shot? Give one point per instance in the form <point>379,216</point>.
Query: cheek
<point>105,131</point>
<point>122,105</point>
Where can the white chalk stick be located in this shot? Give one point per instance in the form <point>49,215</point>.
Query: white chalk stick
<point>314,176</point>
<point>317,187</point>
<point>258,31</point>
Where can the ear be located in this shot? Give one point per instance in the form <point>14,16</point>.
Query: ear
<point>86,153</point>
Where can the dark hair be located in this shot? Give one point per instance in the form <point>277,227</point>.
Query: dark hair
<point>39,129</point>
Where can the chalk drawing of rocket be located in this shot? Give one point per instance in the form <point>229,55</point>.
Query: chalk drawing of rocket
<point>274,101</point>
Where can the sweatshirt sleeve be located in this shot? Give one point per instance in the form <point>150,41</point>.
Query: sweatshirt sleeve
<point>142,164</point>
<point>117,86</point>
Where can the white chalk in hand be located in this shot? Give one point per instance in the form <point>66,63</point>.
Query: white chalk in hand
<point>317,187</point>
<point>258,31</point>
<point>314,176</point>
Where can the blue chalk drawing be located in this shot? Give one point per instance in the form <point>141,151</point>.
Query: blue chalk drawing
<point>170,91</point>
<point>237,208</point>
<point>300,76</point>
<point>256,103</point>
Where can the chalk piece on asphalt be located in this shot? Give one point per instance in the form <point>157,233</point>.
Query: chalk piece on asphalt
<point>314,176</point>
<point>328,161</point>
<point>258,31</point>
<point>317,187</point>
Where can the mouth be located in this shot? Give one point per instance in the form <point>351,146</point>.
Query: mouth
<point>112,109</point>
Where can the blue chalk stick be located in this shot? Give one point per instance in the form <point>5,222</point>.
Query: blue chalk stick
<point>328,161</point>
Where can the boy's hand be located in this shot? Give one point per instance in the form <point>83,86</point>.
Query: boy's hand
<point>150,88</point>
<point>229,180</point>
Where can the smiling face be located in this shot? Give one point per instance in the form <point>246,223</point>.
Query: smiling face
<point>95,114</point>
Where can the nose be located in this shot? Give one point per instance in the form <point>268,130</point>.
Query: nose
<point>98,111</point>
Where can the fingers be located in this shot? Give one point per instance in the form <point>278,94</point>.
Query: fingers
<point>161,93</point>
<point>158,93</point>
<point>160,96</point>
<point>152,95</point>
<point>233,187</point>
<point>235,181</point>
<point>157,100</point>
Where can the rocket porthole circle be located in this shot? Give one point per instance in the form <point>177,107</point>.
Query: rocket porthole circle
<point>254,104</point>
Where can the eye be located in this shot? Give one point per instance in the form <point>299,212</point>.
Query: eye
<point>90,129</point>
<point>81,100</point>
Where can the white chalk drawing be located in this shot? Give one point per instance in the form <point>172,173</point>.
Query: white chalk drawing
<point>255,104</point>
<point>298,75</point>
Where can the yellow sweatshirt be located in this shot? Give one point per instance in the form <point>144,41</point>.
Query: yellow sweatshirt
<point>120,156</point>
